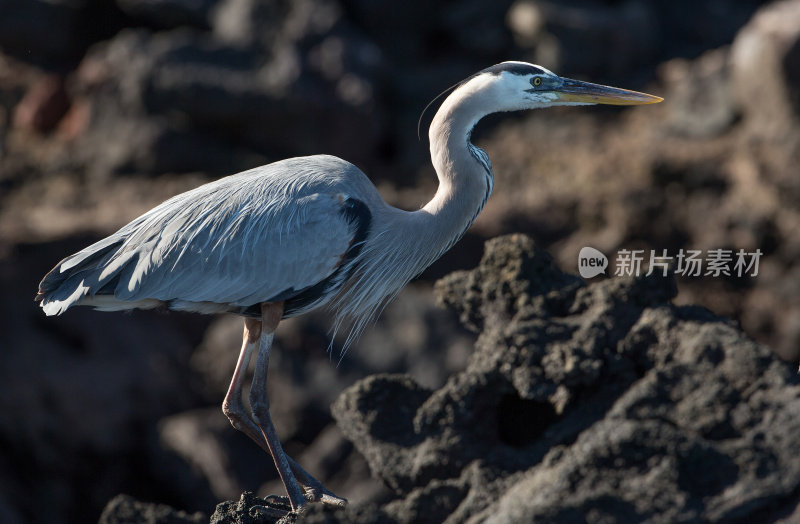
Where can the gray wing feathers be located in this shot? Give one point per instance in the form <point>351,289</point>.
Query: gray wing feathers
<point>239,257</point>
<point>240,240</point>
<point>75,275</point>
<point>84,254</point>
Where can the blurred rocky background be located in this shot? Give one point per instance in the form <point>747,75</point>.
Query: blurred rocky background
<point>109,107</point>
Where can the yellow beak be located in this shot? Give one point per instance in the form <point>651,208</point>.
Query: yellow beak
<point>588,93</point>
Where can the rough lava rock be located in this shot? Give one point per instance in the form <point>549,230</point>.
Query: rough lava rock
<point>600,402</point>
<point>159,101</point>
<point>170,13</point>
<point>768,48</point>
<point>124,509</point>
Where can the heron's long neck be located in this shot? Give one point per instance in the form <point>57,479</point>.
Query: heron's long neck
<point>405,243</point>
<point>464,171</point>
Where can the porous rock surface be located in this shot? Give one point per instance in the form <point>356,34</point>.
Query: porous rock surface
<point>601,403</point>
<point>124,509</point>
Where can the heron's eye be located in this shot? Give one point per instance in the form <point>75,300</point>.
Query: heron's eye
<point>537,81</point>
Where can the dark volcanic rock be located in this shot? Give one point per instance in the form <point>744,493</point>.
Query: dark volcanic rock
<point>582,403</point>
<point>701,102</point>
<point>768,49</point>
<point>250,509</point>
<point>123,509</point>
<point>161,101</point>
<point>170,13</point>
<point>80,395</point>
<point>42,31</point>
<point>568,37</point>
<point>42,106</point>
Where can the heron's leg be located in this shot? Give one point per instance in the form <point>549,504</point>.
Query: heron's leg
<point>234,408</point>
<point>271,314</point>
<point>233,405</point>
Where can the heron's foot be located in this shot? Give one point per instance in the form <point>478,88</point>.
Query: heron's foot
<point>313,489</point>
<point>316,492</point>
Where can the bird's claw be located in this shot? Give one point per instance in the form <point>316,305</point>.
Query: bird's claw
<point>316,492</point>
<point>322,495</point>
<point>278,508</point>
<point>332,500</point>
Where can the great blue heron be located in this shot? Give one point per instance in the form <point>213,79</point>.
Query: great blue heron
<point>285,238</point>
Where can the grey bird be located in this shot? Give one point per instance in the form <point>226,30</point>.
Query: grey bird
<point>299,234</point>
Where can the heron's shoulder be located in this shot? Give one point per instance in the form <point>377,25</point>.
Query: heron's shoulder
<point>314,165</point>
<point>309,174</point>
<point>323,162</point>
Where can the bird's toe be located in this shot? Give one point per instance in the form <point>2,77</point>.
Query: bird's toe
<point>318,493</point>
<point>332,500</point>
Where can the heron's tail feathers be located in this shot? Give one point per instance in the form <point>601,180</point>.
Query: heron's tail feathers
<point>78,275</point>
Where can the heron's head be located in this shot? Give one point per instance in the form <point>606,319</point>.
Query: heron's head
<point>513,86</point>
